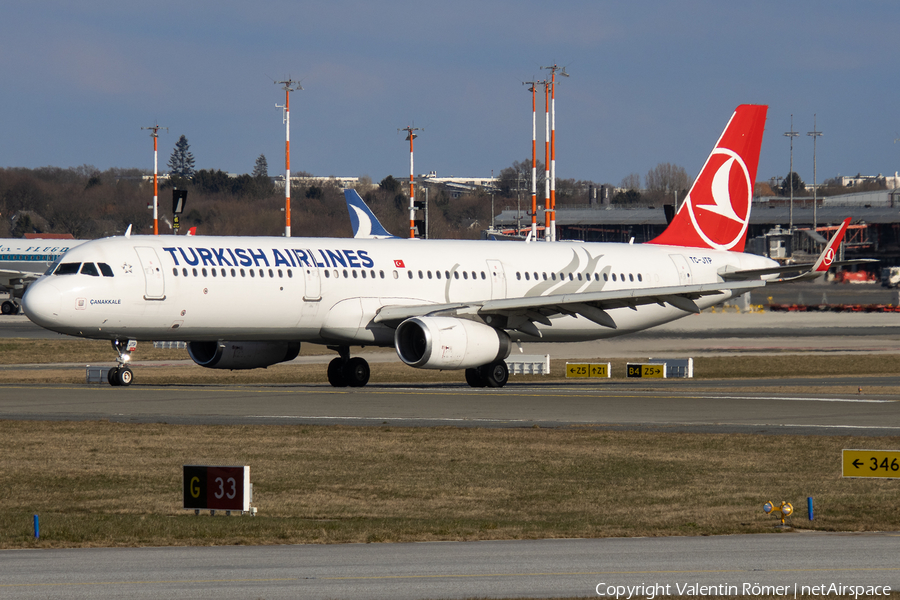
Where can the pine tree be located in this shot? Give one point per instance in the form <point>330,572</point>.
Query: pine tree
<point>261,169</point>
<point>181,163</point>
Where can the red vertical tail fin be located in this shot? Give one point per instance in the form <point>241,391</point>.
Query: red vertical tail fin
<point>716,212</point>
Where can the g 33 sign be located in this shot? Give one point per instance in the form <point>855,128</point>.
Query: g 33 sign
<point>216,488</point>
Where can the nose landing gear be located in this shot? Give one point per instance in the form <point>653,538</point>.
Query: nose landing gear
<point>121,374</point>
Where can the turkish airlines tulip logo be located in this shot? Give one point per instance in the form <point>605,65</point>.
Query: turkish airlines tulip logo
<point>829,257</point>
<point>719,205</point>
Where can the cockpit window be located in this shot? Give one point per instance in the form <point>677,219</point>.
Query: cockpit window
<point>67,269</point>
<point>90,269</point>
<point>105,269</point>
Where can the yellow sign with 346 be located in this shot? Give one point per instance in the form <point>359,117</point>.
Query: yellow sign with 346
<point>871,463</point>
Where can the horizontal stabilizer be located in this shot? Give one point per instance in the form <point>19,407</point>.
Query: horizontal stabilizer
<point>801,271</point>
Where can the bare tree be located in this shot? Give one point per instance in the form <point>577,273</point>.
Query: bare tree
<point>667,178</point>
<point>632,181</point>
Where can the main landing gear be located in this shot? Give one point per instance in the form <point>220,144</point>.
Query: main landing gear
<point>494,375</point>
<point>121,374</point>
<point>9,307</point>
<point>345,371</point>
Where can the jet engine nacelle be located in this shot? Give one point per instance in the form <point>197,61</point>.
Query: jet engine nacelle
<point>241,355</point>
<point>449,343</point>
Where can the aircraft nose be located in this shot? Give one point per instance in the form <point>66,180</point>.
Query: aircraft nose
<point>41,302</point>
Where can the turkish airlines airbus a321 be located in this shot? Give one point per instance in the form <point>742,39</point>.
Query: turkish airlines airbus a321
<point>443,304</point>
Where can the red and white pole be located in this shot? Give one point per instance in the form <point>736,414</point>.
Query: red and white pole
<point>287,161</point>
<point>412,190</point>
<point>154,133</point>
<point>533,161</point>
<point>553,156</point>
<point>155,186</point>
<point>547,208</point>
<point>288,87</point>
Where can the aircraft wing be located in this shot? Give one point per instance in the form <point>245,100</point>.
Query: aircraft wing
<point>522,313</point>
<point>7,276</point>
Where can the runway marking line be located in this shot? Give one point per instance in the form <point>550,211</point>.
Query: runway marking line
<point>538,394</point>
<point>445,576</point>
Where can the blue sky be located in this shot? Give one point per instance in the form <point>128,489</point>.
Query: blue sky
<point>650,82</point>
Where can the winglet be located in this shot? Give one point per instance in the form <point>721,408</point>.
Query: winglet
<point>830,252</point>
<point>365,223</point>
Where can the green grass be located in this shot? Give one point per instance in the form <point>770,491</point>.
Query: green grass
<point>111,484</point>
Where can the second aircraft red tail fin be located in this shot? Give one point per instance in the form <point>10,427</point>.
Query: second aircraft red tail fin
<point>716,212</point>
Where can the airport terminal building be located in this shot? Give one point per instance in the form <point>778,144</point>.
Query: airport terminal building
<point>874,231</point>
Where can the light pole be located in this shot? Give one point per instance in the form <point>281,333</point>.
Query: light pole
<point>410,136</point>
<point>288,87</point>
<point>791,134</point>
<point>155,135</point>
<point>815,134</point>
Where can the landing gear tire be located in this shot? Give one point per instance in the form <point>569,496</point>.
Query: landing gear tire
<point>474,378</point>
<point>356,372</point>
<point>120,376</point>
<point>124,376</point>
<point>9,307</point>
<point>495,374</point>
<point>336,373</point>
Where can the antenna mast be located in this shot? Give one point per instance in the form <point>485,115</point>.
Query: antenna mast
<point>288,86</point>
<point>410,136</point>
<point>155,135</point>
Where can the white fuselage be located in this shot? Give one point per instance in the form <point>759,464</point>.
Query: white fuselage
<point>328,291</point>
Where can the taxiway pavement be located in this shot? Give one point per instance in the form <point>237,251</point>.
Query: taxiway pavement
<point>670,405</point>
<point>733,565</point>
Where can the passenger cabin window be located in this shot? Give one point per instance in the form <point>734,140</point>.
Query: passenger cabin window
<point>68,269</point>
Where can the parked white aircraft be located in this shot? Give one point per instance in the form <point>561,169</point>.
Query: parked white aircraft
<point>22,261</point>
<point>443,304</point>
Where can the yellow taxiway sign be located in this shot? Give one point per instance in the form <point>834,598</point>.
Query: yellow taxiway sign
<point>871,463</point>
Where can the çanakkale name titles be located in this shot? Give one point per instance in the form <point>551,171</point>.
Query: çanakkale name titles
<point>248,257</point>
